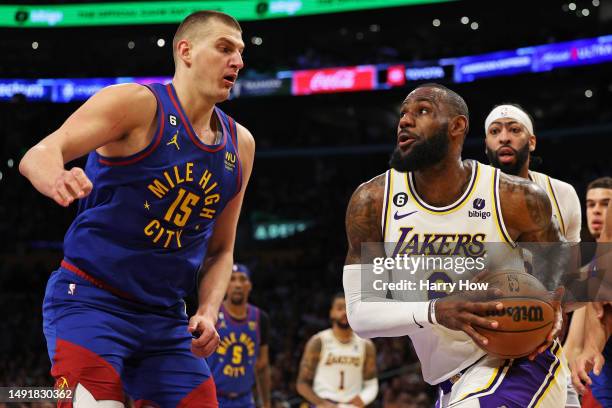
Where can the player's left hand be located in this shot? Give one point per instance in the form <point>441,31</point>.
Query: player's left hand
<point>583,364</point>
<point>206,338</point>
<point>557,325</point>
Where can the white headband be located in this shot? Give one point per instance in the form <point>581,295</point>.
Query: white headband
<point>509,111</point>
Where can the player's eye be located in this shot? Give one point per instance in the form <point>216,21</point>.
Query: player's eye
<point>516,130</point>
<point>423,111</point>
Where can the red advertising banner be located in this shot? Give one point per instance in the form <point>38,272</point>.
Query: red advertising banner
<point>346,79</point>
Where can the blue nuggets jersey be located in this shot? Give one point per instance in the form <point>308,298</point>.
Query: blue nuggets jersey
<point>233,363</point>
<point>143,231</point>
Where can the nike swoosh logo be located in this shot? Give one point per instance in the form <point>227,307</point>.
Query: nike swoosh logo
<point>397,216</point>
<point>413,318</point>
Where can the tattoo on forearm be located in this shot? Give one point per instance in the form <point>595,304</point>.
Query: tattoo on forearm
<point>308,365</point>
<point>369,367</point>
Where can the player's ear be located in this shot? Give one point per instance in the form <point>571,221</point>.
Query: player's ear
<point>458,126</point>
<point>183,51</point>
<point>532,143</point>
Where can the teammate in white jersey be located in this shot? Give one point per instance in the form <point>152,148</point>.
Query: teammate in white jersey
<point>338,368</point>
<point>510,141</point>
<point>431,194</point>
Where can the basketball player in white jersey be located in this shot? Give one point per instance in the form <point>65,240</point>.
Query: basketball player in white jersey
<point>431,194</point>
<point>510,140</point>
<point>338,369</point>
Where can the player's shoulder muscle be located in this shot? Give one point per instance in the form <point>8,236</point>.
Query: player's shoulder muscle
<point>109,115</point>
<point>525,205</point>
<point>365,205</point>
<point>363,216</point>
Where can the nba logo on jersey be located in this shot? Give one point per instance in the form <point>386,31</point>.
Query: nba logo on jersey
<point>71,288</point>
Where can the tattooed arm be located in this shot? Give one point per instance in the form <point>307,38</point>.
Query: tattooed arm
<point>527,213</point>
<point>370,382</point>
<point>363,219</point>
<point>308,368</point>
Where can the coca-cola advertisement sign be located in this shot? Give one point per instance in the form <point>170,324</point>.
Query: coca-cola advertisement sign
<point>345,79</point>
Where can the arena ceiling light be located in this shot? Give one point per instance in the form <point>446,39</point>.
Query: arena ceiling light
<point>172,12</point>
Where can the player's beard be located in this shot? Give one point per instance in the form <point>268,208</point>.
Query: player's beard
<point>237,298</point>
<point>521,156</point>
<point>342,325</point>
<point>422,154</point>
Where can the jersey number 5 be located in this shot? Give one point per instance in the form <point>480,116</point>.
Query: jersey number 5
<point>237,355</point>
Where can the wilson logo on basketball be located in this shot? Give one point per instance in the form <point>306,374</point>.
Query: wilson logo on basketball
<point>521,313</point>
<point>479,204</point>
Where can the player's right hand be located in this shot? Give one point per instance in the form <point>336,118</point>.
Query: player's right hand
<point>458,313</point>
<point>205,337</point>
<point>580,367</point>
<point>70,185</point>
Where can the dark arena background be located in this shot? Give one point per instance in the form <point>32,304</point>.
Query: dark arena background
<point>320,132</point>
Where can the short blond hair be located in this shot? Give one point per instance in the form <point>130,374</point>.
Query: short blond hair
<point>198,20</point>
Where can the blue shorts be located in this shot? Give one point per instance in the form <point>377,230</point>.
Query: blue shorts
<point>113,346</point>
<point>243,401</point>
<point>602,385</point>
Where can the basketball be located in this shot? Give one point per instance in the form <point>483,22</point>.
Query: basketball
<point>526,318</point>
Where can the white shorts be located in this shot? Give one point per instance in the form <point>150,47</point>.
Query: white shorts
<point>519,383</point>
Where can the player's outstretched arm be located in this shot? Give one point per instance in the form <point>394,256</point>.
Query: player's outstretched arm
<point>597,332</point>
<point>369,391</point>
<point>113,113</point>
<point>308,368</point>
<point>217,266</point>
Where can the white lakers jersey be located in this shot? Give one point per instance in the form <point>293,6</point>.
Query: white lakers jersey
<point>565,204</point>
<point>460,229</point>
<point>339,375</point>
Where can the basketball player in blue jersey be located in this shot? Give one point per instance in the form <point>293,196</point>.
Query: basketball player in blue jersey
<point>159,201</point>
<point>241,361</point>
<point>594,346</point>
<point>428,195</point>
